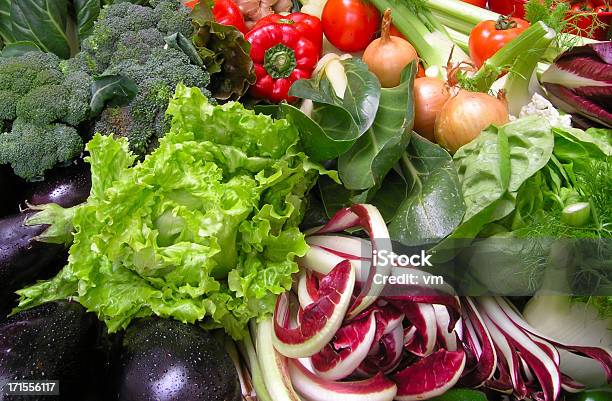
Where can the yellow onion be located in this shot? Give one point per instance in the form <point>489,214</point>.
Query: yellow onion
<point>388,55</point>
<point>465,115</point>
<point>430,95</point>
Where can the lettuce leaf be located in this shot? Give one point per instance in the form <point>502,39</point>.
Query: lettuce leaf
<point>203,229</point>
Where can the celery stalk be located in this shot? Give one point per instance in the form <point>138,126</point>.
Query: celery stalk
<point>461,11</point>
<point>521,47</point>
<point>248,352</point>
<point>461,39</point>
<point>454,23</point>
<point>517,84</point>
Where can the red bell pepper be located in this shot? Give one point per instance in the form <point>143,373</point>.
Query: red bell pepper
<point>306,24</point>
<point>226,12</point>
<point>284,49</point>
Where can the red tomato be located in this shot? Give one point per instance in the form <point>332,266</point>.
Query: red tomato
<point>602,9</point>
<point>479,3</point>
<point>581,7</point>
<point>489,36</point>
<point>514,8</point>
<point>393,31</point>
<point>350,25</point>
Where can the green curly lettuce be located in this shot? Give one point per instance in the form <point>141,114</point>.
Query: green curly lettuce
<point>203,229</point>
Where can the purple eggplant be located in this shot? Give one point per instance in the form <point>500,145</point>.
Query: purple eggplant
<point>54,341</point>
<point>23,259</point>
<point>13,188</point>
<point>65,186</point>
<point>164,359</point>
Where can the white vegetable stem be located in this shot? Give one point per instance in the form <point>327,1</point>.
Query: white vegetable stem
<point>572,323</point>
<point>274,365</point>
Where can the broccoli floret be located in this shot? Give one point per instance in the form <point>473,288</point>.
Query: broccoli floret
<point>33,149</point>
<point>43,105</point>
<point>8,104</point>
<point>42,101</point>
<point>172,20</point>
<point>129,40</point>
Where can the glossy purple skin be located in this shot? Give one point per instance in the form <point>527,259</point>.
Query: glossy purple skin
<point>12,190</point>
<point>66,186</point>
<point>23,260</point>
<point>166,360</point>
<point>54,341</point>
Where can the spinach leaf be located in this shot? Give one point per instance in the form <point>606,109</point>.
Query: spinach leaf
<point>333,196</point>
<point>86,13</point>
<point>308,127</point>
<point>577,145</point>
<point>111,91</point>
<point>342,121</point>
<point>391,194</point>
<point>179,42</point>
<point>374,154</point>
<point>45,23</point>
<point>6,28</point>
<point>361,97</point>
<point>434,205</point>
<point>493,167</point>
<point>338,132</point>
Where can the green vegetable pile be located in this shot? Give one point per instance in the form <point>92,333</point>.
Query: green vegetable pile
<point>132,41</point>
<point>43,102</point>
<point>206,227</point>
<point>126,62</point>
<point>518,182</point>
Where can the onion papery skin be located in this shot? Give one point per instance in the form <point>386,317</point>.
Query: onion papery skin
<point>465,115</point>
<point>430,95</point>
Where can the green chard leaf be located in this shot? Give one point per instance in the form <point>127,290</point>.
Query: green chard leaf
<point>367,163</point>
<point>434,206</point>
<point>86,12</point>
<point>45,23</point>
<point>343,121</point>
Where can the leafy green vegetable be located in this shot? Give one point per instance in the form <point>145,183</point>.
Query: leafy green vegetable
<point>86,13</point>
<point>461,394</point>
<point>343,120</point>
<point>111,91</point>
<point>16,49</point>
<point>6,31</point>
<point>206,227</point>
<point>225,54</point>
<point>45,23</point>
<point>368,161</point>
<point>493,167</point>
<point>434,206</point>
